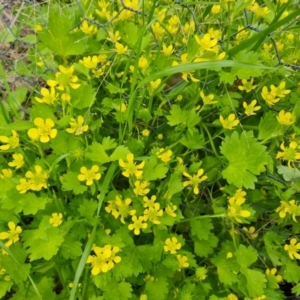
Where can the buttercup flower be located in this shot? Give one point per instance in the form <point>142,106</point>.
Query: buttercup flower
<point>182,261</point>
<point>89,62</point>
<point>251,108</point>
<point>155,84</point>
<point>269,97</point>
<point>172,245</point>
<point>6,173</point>
<point>164,155</point>
<point>280,91</point>
<point>44,130</point>
<point>37,180</point>
<point>11,235</point>
<point>18,161</point>
<point>247,85</point>
<point>138,224</point>
<point>251,232</point>
<point>290,153</point>
<point>141,188</point>
<point>207,43</point>
<point>170,210</point>
<point>24,186</point>
<point>273,272</point>
<point>293,249</point>
<point>49,96</point>
<point>208,100</point>
<point>89,29</point>
<point>130,167</point>
<point>230,122</point>
<point>89,175</point>
<point>64,79</point>
<point>145,132</point>
<point>235,208</point>
<point>285,118</point>
<point>167,50</point>
<point>56,219</point>
<point>201,273</point>
<point>11,142</point>
<point>152,213</point>
<point>77,127</point>
<point>194,180</point>
<point>120,49</point>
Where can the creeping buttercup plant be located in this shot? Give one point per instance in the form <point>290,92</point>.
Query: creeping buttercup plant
<point>158,156</point>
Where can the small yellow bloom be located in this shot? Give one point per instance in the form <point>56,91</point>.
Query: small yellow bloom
<point>235,208</point>
<point>290,153</point>
<point>152,213</point>
<point>172,245</point>
<point>130,166</point>
<point>143,63</point>
<point>207,43</point>
<point>269,97</point>
<point>44,130</point>
<point>167,50</point>
<point>293,249</point>
<point>56,219</point>
<point>65,98</point>
<point>49,96</point>
<point>195,180</point>
<point>138,224</point>
<point>215,9</point>
<point>170,210</point>
<point>6,173</point>
<point>160,136</point>
<point>155,84</point>
<point>279,91</point>
<point>120,49</point>
<point>201,273</point>
<point>251,232</point>
<point>24,186</point>
<point>273,272</point>
<point>164,155</point>
<point>251,108</point>
<point>18,161</point>
<point>37,180</point>
<point>11,235</point>
<point>182,261</point>
<point>232,297</point>
<point>141,188</point>
<point>247,85</point>
<point>88,29</point>
<point>89,175</point>
<point>230,122</point>
<point>285,118</point>
<point>145,132</point>
<point>64,79</point>
<point>11,142</point>
<point>89,62</point>
<point>208,100</point>
<point>77,127</point>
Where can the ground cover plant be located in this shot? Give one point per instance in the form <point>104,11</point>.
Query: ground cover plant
<point>150,150</point>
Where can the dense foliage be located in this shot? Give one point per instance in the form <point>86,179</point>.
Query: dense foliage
<point>157,156</point>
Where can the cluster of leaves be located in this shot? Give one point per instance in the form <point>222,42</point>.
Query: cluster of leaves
<point>159,157</point>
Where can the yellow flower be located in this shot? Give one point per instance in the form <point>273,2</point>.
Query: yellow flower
<point>49,96</point>
<point>150,203</point>
<point>6,173</point>
<point>141,188</point>
<point>283,209</point>
<point>182,261</point>
<point>167,50</point>
<point>194,180</point>
<point>104,259</point>
<point>215,9</point>
<point>235,208</point>
<point>130,167</point>
<point>121,208</point>
<point>114,37</point>
<point>269,97</point>
<point>145,132</point>
<point>172,245</point>
<point>164,155</point>
<point>232,297</point>
<point>208,100</point>
<point>138,224</point>
<point>143,63</point>
<point>280,90</point>
<point>37,180</point>
<point>290,154</point>
<point>120,49</point>
<point>89,29</point>
<point>207,42</point>
<point>143,297</point>
<point>65,98</point>
<point>64,79</point>
<point>288,207</point>
<point>152,213</point>
<point>293,249</point>
<point>285,118</point>
<point>77,127</point>
<point>158,30</point>
<point>18,161</point>
<point>273,272</point>
<point>24,186</point>
<point>11,142</point>
<point>251,108</point>
<point>44,130</point>
<point>89,62</point>
<point>247,85</point>
<point>155,84</point>
<point>170,210</point>
<point>251,232</point>
<point>185,75</point>
<point>56,219</point>
<point>89,175</point>
<point>230,122</point>
<point>11,235</point>
<point>160,136</point>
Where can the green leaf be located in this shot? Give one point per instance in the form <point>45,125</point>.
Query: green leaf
<point>247,160</point>
<point>18,126</point>
<point>96,152</point>
<point>205,247</point>
<point>154,170</point>
<point>30,203</point>
<point>71,183</point>
<point>245,256</point>
<point>108,143</point>
<point>64,143</point>
<point>117,290</point>
<point>174,186</point>
<point>201,228</point>
<point>227,77</point>
<point>290,271</point>
<point>273,247</point>
<point>269,127</point>
<point>70,249</point>
<point>254,281</point>
<point>157,289</point>
<point>88,208</point>
<point>83,97</point>
<point>5,286</point>
<point>193,140</point>
<point>120,152</point>
<point>46,247</point>
<point>296,289</point>
<point>177,116</point>
<point>288,173</point>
